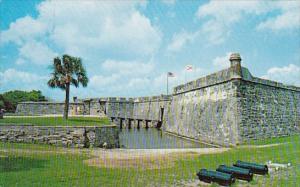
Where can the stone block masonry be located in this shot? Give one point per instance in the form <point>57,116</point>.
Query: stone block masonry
<point>48,108</point>
<point>93,106</point>
<point>65,136</point>
<point>142,111</point>
<point>266,111</point>
<point>207,114</point>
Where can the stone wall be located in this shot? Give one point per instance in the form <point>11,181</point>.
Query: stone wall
<point>207,114</point>
<point>48,108</point>
<point>145,108</point>
<point>65,136</point>
<point>267,108</point>
<point>206,109</point>
<point>231,106</point>
<point>94,106</point>
<point>142,111</point>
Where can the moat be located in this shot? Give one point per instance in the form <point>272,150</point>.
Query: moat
<point>153,138</point>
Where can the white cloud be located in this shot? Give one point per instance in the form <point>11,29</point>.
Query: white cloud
<point>98,81</point>
<point>230,11</point>
<point>222,62</point>
<point>120,85</point>
<point>128,67</point>
<point>222,15</point>
<point>287,74</point>
<point>219,17</point>
<point>180,77</point>
<point>179,40</point>
<point>288,19</point>
<point>36,53</point>
<point>12,78</point>
<point>139,83</point>
<point>23,29</point>
<point>171,14</point>
<point>215,32</point>
<point>86,27</point>
<point>123,77</point>
<point>20,61</point>
<point>15,75</point>
<point>133,78</point>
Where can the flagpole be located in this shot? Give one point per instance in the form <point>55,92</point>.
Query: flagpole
<point>167,83</point>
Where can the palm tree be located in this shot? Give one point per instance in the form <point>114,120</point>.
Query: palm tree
<point>67,71</point>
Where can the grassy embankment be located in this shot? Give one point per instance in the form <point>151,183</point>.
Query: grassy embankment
<point>43,165</point>
<point>56,121</point>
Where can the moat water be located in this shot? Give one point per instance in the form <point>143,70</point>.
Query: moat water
<point>153,138</point>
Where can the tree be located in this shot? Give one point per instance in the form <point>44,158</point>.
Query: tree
<point>67,71</point>
<point>10,99</point>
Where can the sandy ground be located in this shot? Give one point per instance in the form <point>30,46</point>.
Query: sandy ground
<point>149,158</point>
<point>262,146</point>
<point>145,158</point>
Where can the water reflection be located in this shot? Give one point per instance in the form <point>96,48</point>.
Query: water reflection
<point>153,138</point>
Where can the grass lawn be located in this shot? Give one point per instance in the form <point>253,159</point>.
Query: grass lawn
<point>56,121</point>
<point>21,166</point>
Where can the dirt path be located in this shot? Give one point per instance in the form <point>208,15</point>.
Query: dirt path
<point>262,146</point>
<point>145,158</point>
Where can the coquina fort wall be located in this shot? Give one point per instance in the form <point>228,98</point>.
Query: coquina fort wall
<point>225,108</point>
<point>232,106</point>
<point>138,112</point>
<point>48,108</point>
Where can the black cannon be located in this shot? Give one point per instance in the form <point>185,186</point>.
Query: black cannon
<point>223,179</point>
<point>254,168</point>
<point>239,173</point>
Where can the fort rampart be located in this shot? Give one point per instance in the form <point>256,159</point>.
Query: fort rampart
<point>231,106</point>
<point>48,108</point>
<point>226,108</point>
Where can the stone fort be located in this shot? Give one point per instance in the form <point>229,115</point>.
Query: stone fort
<point>225,108</point>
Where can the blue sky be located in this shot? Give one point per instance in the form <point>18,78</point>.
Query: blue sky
<point>127,47</point>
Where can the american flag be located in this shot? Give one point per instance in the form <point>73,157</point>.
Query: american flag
<point>189,68</point>
<point>170,74</point>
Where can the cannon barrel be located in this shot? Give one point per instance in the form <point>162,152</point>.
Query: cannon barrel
<point>223,179</point>
<point>253,167</point>
<point>239,173</point>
